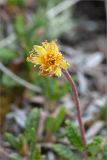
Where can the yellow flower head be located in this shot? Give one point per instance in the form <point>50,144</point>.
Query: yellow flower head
<point>49,59</point>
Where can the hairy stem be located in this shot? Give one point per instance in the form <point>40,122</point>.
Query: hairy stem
<point>76,97</point>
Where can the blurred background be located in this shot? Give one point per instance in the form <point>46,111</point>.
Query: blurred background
<point>79,28</point>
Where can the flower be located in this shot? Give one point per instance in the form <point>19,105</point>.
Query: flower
<point>49,59</point>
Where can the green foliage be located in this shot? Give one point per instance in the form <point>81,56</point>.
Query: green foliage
<point>51,87</point>
<point>7,55</point>
<point>103,113</point>
<point>15,157</point>
<point>30,132</point>
<point>32,124</point>
<point>24,30</point>
<point>56,122</point>
<point>16,2</point>
<point>7,81</point>
<point>105,152</point>
<point>48,3</point>
<point>20,26</point>
<point>74,136</point>
<point>50,123</point>
<point>22,141</point>
<point>94,147</point>
<point>65,152</point>
<point>28,137</point>
<point>16,143</point>
<point>60,117</point>
<point>35,154</point>
<point>12,141</point>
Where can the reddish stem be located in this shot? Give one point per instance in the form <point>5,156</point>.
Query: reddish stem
<point>76,97</point>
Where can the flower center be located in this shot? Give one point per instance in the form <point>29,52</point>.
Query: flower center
<point>50,59</point>
<point>52,62</point>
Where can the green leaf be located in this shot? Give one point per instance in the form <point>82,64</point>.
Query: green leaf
<point>94,147</point>
<point>52,88</point>
<point>105,152</point>
<point>55,121</point>
<point>59,119</point>
<point>20,26</point>
<point>32,141</point>
<point>14,156</point>
<point>30,131</point>
<point>103,113</point>
<point>32,124</point>
<point>7,55</point>
<point>74,136</point>
<point>37,154</point>
<point>50,123</point>
<point>16,2</point>
<point>12,141</point>
<point>65,152</point>
<point>22,141</point>
<point>8,81</point>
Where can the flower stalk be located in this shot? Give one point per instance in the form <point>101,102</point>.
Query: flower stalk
<point>52,63</point>
<point>76,97</point>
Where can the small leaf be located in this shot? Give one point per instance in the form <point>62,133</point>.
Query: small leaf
<point>95,146</point>
<point>20,25</point>
<point>51,87</point>
<point>14,156</point>
<point>32,124</point>
<point>12,140</point>
<point>59,119</point>
<point>37,154</point>
<point>55,121</point>
<point>23,145</point>
<point>74,136</point>
<point>8,81</point>
<point>50,123</point>
<point>16,2</point>
<point>105,152</point>
<point>65,152</point>
<point>103,113</point>
<point>30,130</point>
<point>7,55</point>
